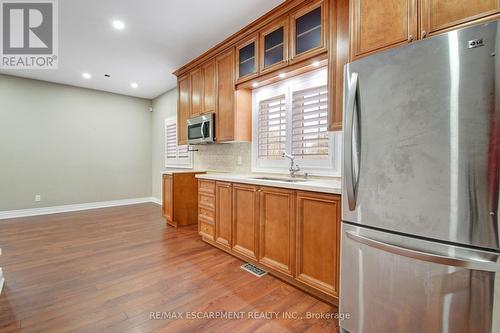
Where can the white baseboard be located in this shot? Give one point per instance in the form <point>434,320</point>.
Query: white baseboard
<point>10,214</point>
<point>156,201</point>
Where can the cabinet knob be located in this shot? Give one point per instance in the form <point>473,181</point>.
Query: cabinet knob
<point>410,38</point>
<point>424,34</point>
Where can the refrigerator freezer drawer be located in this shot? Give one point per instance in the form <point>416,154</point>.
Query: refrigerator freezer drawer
<point>392,283</point>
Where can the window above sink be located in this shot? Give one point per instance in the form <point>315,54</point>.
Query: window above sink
<point>291,116</point>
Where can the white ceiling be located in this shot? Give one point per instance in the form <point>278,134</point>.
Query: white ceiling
<point>160,36</point>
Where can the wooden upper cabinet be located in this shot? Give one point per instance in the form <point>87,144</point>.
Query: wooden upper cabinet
<point>183,109</point>
<point>245,228</point>
<point>247,55</point>
<point>209,87</point>
<point>223,213</point>
<point>273,42</point>
<point>277,229</point>
<point>196,79</point>
<point>318,232</point>
<point>225,101</point>
<point>377,25</point>
<point>234,107</point>
<point>309,28</point>
<point>438,15</point>
<point>338,56</point>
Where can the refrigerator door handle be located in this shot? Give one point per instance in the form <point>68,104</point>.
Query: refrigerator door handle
<point>487,266</point>
<point>349,127</point>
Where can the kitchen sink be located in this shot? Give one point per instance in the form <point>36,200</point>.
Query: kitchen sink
<point>277,179</point>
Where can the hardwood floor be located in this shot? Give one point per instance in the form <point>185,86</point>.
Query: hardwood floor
<point>111,270</point>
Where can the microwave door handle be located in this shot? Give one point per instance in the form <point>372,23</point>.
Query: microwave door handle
<point>203,129</point>
<point>487,266</point>
<point>349,128</point>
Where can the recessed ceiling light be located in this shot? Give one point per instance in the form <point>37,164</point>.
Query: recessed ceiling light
<point>118,25</point>
<point>87,76</point>
<point>134,85</point>
<point>255,84</point>
<point>316,64</point>
<point>282,75</point>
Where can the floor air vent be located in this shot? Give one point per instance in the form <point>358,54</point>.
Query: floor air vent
<point>253,270</point>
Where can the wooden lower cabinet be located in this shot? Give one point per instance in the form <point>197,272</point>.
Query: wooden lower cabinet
<point>223,213</point>
<point>292,234</point>
<point>168,197</point>
<point>245,226</point>
<point>206,209</point>
<point>277,229</point>
<point>206,229</point>
<point>318,239</point>
<point>180,198</point>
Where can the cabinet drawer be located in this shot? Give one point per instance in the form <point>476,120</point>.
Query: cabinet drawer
<point>206,230</point>
<point>206,214</point>
<point>206,186</point>
<point>206,201</point>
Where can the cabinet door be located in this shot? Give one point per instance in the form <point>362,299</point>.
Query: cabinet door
<point>168,197</point>
<point>338,56</point>
<point>223,213</point>
<point>308,30</point>
<point>277,229</point>
<point>437,15</point>
<point>245,220</point>
<point>183,109</point>
<point>196,79</point>
<point>318,227</point>
<point>377,25</point>
<point>225,100</point>
<point>209,87</point>
<point>274,46</point>
<point>247,60</point>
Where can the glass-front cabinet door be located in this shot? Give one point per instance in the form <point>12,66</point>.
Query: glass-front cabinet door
<point>274,46</point>
<point>309,31</point>
<point>246,59</point>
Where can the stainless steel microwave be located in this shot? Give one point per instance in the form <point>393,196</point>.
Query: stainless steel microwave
<point>200,130</point>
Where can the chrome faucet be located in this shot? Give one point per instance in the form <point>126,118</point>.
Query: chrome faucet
<point>294,167</point>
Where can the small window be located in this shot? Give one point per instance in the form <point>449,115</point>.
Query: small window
<point>175,155</point>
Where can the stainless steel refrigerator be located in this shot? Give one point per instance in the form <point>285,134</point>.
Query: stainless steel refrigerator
<point>420,240</point>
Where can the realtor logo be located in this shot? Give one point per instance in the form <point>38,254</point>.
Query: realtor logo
<point>29,34</point>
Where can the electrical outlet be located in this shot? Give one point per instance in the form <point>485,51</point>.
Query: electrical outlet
<point>38,198</point>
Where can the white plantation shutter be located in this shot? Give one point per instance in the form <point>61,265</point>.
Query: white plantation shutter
<point>272,127</point>
<point>309,123</point>
<point>171,140</point>
<point>176,156</point>
<point>183,152</point>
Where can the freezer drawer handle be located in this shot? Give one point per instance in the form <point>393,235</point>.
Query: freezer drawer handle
<point>348,160</point>
<point>487,266</point>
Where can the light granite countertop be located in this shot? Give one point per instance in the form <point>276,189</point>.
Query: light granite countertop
<point>314,184</point>
<point>170,171</point>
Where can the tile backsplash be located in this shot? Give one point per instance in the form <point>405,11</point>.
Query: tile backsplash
<point>224,157</point>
